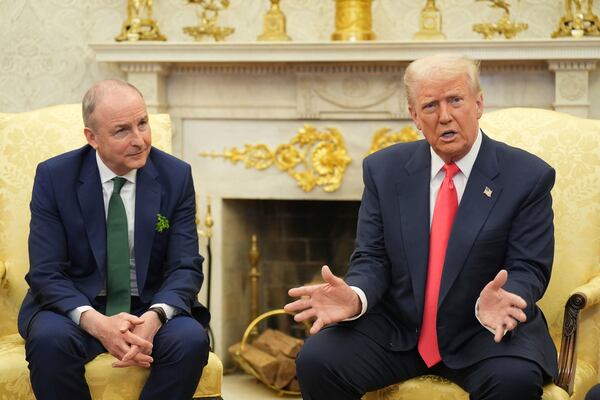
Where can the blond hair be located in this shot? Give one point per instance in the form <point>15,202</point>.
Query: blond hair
<point>440,67</point>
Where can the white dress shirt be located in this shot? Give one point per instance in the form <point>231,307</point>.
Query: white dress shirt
<point>128,197</point>
<point>465,165</point>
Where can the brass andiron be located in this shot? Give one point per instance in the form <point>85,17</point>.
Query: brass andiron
<point>137,26</point>
<point>312,158</point>
<point>576,23</point>
<point>353,20</point>
<point>254,276</point>
<point>504,26</point>
<point>430,23</point>
<point>208,220</point>
<point>207,16</point>
<point>382,138</point>
<point>274,25</point>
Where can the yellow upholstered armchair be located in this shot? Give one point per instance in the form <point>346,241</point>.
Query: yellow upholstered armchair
<point>572,146</point>
<point>25,140</point>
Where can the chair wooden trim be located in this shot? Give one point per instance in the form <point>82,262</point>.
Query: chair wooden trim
<point>581,298</point>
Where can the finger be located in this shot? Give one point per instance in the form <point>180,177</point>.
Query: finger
<point>133,351</point>
<point>329,277</point>
<point>304,315</point>
<point>510,323</point>
<point>515,300</point>
<point>134,339</point>
<point>499,280</point>
<point>130,363</point>
<point>517,314</point>
<point>499,333</point>
<point>125,326</point>
<point>316,326</point>
<point>297,305</point>
<point>302,291</point>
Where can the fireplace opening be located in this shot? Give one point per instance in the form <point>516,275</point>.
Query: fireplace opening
<point>295,238</point>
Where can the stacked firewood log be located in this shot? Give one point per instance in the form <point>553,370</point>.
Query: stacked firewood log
<point>272,355</point>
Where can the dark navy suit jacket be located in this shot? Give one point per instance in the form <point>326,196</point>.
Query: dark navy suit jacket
<point>512,229</point>
<point>67,240</point>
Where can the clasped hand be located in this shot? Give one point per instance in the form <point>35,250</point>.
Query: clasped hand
<point>328,303</point>
<point>498,309</point>
<point>125,336</point>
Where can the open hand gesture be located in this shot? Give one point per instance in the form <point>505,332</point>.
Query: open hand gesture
<point>498,309</point>
<point>330,302</point>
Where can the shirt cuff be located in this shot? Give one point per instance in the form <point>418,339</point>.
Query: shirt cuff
<point>363,302</point>
<point>482,324</point>
<point>170,311</point>
<point>75,314</point>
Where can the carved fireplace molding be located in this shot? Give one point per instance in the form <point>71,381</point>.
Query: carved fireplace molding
<point>337,79</point>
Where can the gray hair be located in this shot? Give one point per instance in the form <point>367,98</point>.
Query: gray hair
<point>94,94</point>
<point>440,67</point>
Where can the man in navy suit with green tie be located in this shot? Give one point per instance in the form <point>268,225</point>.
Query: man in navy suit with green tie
<point>114,263</point>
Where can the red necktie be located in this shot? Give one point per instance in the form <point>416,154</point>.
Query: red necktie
<point>444,212</point>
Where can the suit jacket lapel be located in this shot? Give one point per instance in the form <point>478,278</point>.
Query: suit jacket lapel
<point>147,206</point>
<point>472,213</point>
<point>413,195</point>
<point>91,202</point>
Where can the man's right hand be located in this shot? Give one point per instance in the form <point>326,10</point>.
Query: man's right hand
<point>118,341</point>
<point>330,302</point>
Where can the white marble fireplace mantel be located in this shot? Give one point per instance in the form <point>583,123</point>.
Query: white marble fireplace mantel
<point>150,64</point>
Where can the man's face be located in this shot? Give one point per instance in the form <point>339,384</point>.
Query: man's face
<point>120,132</point>
<point>447,112</point>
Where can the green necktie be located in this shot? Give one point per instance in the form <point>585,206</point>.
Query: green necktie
<point>118,293</point>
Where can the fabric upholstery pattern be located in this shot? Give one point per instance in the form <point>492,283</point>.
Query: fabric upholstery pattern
<point>572,146</point>
<point>25,140</point>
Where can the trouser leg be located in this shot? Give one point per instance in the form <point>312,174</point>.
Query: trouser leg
<point>500,378</point>
<point>340,363</point>
<point>180,353</point>
<point>57,351</point>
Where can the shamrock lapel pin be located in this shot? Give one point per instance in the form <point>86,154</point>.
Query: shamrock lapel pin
<point>162,223</point>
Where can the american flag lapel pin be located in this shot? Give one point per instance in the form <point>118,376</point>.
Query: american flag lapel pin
<point>487,191</point>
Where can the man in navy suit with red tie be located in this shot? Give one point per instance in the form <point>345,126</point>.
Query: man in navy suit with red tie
<point>454,248</point>
<point>114,263</point>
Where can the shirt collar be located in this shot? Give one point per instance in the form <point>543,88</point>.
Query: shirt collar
<point>106,173</point>
<point>465,164</point>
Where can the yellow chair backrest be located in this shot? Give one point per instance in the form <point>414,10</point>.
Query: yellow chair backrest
<point>26,139</point>
<point>572,146</point>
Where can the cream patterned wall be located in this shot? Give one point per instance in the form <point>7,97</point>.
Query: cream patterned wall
<point>45,60</point>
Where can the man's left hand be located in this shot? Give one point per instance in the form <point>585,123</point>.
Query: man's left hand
<point>146,331</point>
<point>498,309</point>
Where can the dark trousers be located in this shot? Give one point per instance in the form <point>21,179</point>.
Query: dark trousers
<point>594,393</point>
<point>57,350</point>
<point>340,363</point>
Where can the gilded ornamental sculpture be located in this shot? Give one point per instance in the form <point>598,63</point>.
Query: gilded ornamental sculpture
<point>577,23</point>
<point>504,27</point>
<point>312,158</point>
<point>430,23</point>
<point>353,20</point>
<point>208,15</point>
<point>139,25</point>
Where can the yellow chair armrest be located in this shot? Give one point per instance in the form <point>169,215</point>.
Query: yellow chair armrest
<point>582,297</point>
<point>590,292</point>
<point>2,272</point>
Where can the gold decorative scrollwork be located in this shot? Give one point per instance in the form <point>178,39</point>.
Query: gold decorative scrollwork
<point>382,138</point>
<point>312,158</point>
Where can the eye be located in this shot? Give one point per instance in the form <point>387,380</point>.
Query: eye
<point>456,100</point>
<point>143,123</point>
<point>429,107</point>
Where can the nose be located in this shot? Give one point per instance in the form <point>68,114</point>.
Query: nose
<point>445,116</point>
<point>136,138</point>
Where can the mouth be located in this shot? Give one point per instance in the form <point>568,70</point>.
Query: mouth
<point>448,135</point>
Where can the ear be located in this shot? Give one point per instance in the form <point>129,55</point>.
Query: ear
<point>90,137</point>
<point>479,104</point>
